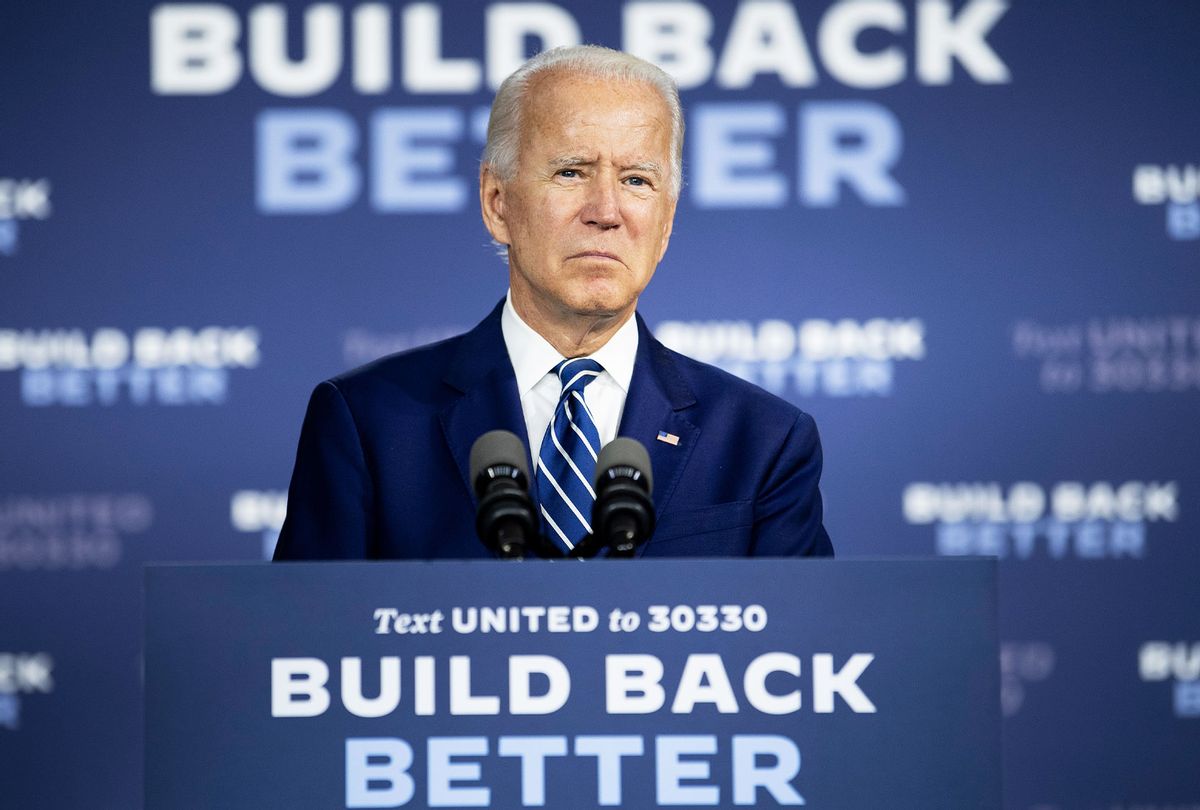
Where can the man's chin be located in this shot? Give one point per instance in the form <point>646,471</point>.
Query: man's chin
<point>602,306</point>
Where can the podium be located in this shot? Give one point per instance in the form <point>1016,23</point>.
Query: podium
<point>638,684</point>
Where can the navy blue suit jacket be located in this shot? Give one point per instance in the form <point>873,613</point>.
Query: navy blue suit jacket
<point>382,466</point>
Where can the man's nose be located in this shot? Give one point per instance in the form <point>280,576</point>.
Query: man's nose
<point>602,207</point>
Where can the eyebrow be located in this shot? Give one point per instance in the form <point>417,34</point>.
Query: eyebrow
<point>567,161</point>
<point>649,167</point>
<point>570,160</point>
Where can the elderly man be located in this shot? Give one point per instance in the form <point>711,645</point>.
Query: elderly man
<point>579,182</point>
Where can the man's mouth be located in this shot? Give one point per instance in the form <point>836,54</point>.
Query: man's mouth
<point>595,254</point>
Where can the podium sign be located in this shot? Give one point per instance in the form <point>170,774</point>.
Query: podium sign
<point>693,683</point>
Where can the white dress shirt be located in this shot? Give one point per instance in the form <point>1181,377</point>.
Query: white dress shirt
<point>534,359</point>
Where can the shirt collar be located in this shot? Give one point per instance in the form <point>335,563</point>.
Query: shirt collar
<point>533,357</point>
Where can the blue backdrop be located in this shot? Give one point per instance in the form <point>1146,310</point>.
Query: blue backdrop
<point>965,236</point>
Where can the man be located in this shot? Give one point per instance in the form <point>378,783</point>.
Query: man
<point>579,182</point>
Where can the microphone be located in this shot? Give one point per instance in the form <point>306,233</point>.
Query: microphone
<point>623,515</point>
<point>504,518</point>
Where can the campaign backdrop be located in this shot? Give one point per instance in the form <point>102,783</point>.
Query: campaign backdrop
<point>963,234</point>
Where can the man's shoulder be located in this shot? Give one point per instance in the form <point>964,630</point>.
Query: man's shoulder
<point>413,371</point>
<point>423,371</point>
<point>718,389</point>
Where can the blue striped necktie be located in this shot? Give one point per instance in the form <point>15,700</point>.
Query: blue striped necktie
<point>567,460</point>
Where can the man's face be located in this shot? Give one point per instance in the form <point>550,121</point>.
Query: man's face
<point>588,214</point>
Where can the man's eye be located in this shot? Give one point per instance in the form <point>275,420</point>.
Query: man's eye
<point>637,181</point>
<point>568,173</point>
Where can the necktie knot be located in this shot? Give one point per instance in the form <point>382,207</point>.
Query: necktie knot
<point>575,373</point>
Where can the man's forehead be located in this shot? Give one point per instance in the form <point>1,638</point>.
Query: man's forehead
<point>563,76</point>
<point>560,96</point>
<point>567,113</point>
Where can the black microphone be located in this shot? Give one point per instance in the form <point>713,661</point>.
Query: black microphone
<point>623,515</point>
<point>504,519</point>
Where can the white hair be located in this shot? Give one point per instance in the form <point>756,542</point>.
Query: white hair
<point>502,151</point>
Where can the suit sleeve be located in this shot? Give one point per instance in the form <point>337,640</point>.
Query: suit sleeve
<point>788,513</point>
<point>331,497</point>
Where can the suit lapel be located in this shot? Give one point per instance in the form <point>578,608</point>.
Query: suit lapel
<point>658,402</point>
<point>483,374</point>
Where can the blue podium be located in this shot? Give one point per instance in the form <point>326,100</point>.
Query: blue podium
<point>637,684</point>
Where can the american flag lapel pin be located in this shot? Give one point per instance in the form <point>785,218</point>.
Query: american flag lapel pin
<point>669,438</point>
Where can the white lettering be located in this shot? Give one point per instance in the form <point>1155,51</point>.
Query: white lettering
<point>673,35</point>
<point>193,49</point>
<point>838,43</point>
<point>298,687</point>
<point>633,684</point>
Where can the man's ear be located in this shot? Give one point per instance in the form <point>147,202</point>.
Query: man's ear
<point>491,204</point>
<point>666,232</point>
